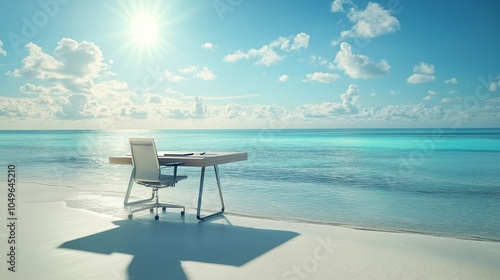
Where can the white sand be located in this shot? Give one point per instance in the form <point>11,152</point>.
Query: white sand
<point>57,242</point>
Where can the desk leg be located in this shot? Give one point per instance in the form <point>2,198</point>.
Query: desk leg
<point>200,194</point>
<point>129,190</point>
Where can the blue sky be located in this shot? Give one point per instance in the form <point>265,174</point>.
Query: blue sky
<point>74,64</point>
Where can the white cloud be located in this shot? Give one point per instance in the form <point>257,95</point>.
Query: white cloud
<point>159,107</point>
<point>233,111</point>
<point>156,98</point>
<point>97,96</point>
<point>74,64</point>
<point>321,61</point>
<point>267,55</point>
<point>424,68</point>
<point>159,110</point>
<point>431,95</point>
<point>301,41</point>
<point>283,78</point>
<point>359,66</point>
<point>189,69</point>
<point>231,97</point>
<point>349,99</point>
<point>269,112</point>
<point>338,5</point>
<point>74,85</point>
<point>205,74</point>
<point>373,21</point>
<point>401,115</point>
<point>202,73</point>
<point>2,51</point>
<point>37,108</point>
<point>132,111</point>
<point>176,113</point>
<point>323,110</point>
<point>41,90</point>
<point>172,92</point>
<point>208,46</point>
<point>199,108</point>
<point>83,59</point>
<point>322,77</point>
<point>111,90</point>
<point>422,73</point>
<point>419,78</point>
<point>328,109</point>
<point>75,108</point>
<point>451,99</point>
<point>169,76</point>
<point>39,65</point>
<point>282,42</point>
<point>451,81</point>
<point>409,113</point>
<point>238,55</point>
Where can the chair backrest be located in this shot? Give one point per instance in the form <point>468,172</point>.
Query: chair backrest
<point>145,159</point>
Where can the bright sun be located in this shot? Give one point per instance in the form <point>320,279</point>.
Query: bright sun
<point>144,30</point>
<point>144,27</point>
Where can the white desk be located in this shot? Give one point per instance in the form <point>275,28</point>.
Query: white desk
<point>196,160</point>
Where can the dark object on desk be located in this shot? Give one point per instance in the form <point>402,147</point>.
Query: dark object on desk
<point>178,154</point>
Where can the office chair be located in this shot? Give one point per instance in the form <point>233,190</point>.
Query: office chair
<point>147,172</point>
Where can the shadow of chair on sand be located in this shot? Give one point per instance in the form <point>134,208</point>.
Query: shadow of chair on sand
<point>158,248</point>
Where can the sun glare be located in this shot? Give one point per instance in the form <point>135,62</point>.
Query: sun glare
<point>144,30</point>
<point>144,26</point>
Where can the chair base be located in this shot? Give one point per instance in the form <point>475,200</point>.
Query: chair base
<point>152,206</point>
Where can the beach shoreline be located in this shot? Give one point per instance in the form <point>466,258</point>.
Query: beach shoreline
<point>114,207</point>
<point>354,227</point>
<point>55,241</point>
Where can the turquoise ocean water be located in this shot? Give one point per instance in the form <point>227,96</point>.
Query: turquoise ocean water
<point>433,181</point>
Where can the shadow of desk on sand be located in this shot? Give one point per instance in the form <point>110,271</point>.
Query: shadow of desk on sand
<point>159,247</point>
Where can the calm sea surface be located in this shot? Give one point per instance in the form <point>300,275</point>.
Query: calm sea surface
<point>442,182</point>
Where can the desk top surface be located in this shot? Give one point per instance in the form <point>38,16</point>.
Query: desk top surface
<point>194,159</point>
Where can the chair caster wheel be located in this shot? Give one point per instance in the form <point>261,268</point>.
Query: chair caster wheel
<point>164,208</point>
<point>157,217</point>
<point>129,216</point>
<point>182,213</point>
<point>151,210</point>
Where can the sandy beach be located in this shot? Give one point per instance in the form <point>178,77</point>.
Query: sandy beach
<point>54,241</point>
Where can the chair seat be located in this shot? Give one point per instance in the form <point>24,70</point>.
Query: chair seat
<point>165,181</point>
<point>169,179</point>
